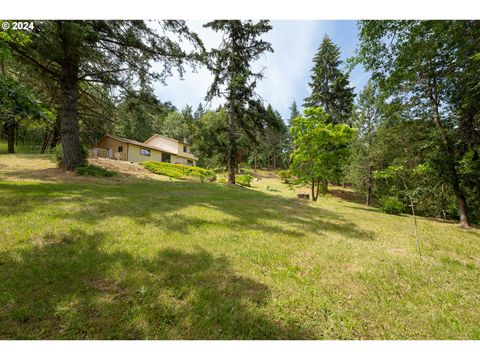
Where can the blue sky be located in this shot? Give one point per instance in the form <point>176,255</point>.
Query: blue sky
<point>286,71</point>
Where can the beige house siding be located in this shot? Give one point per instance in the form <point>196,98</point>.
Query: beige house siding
<point>113,144</point>
<point>134,154</point>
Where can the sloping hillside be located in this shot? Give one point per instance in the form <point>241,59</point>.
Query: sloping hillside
<point>154,258</point>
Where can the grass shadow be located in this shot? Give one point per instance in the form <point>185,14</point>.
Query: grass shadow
<point>71,286</point>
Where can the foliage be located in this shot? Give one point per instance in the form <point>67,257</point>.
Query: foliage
<point>178,171</point>
<point>285,175</point>
<point>18,107</point>
<point>417,62</point>
<point>140,114</point>
<point>391,205</point>
<point>330,86</point>
<point>244,179</point>
<point>369,112</point>
<point>177,126</point>
<point>96,171</point>
<point>321,148</point>
<point>210,139</point>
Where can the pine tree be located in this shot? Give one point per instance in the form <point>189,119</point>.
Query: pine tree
<point>234,78</point>
<point>199,112</point>
<point>293,111</point>
<point>330,86</point>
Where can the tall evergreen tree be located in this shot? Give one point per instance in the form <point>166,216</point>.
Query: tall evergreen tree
<point>199,111</point>
<point>366,119</point>
<point>293,112</point>
<point>234,77</point>
<point>330,85</point>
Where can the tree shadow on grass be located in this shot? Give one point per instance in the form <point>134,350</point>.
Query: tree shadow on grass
<point>161,204</point>
<point>73,286</point>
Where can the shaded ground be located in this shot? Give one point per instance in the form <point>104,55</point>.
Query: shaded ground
<point>143,258</point>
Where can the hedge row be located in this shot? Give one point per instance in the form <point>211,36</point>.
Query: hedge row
<point>178,171</point>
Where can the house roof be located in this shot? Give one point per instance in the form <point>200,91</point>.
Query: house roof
<point>138,143</point>
<point>168,138</point>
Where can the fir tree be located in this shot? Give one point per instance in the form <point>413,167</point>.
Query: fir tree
<point>330,86</point>
<point>234,78</point>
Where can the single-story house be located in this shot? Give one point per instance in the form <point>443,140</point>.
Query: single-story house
<point>156,148</point>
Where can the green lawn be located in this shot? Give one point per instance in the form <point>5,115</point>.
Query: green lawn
<point>144,259</point>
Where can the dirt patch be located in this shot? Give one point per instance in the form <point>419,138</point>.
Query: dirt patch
<point>347,195</point>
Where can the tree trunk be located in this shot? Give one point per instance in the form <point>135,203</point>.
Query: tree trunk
<point>56,132</point>
<point>72,151</point>
<point>313,189</point>
<point>10,130</point>
<point>45,142</point>
<point>449,157</point>
<point>368,198</point>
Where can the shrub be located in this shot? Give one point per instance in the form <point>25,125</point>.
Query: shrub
<point>178,171</point>
<point>244,180</point>
<point>222,180</point>
<point>92,170</point>
<point>59,155</point>
<point>285,176</point>
<point>391,205</point>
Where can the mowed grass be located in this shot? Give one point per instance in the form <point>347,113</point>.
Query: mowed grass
<point>86,258</point>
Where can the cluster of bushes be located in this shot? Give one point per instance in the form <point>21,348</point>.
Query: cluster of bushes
<point>178,171</point>
<point>244,180</point>
<point>92,170</point>
<point>285,175</point>
<point>391,205</point>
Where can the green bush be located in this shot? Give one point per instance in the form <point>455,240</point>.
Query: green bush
<point>59,155</point>
<point>244,180</point>
<point>391,205</point>
<point>178,171</point>
<point>285,176</point>
<point>222,180</point>
<point>92,170</point>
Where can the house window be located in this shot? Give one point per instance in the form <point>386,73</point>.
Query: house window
<point>166,158</point>
<point>120,148</point>
<point>185,149</point>
<point>145,152</point>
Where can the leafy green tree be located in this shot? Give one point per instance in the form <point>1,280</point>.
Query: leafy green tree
<point>234,78</point>
<point>112,53</point>
<point>140,114</point>
<point>18,104</point>
<point>321,148</point>
<point>177,126</point>
<point>210,139</point>
<point>419,61</point>
<point>329,85</point>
